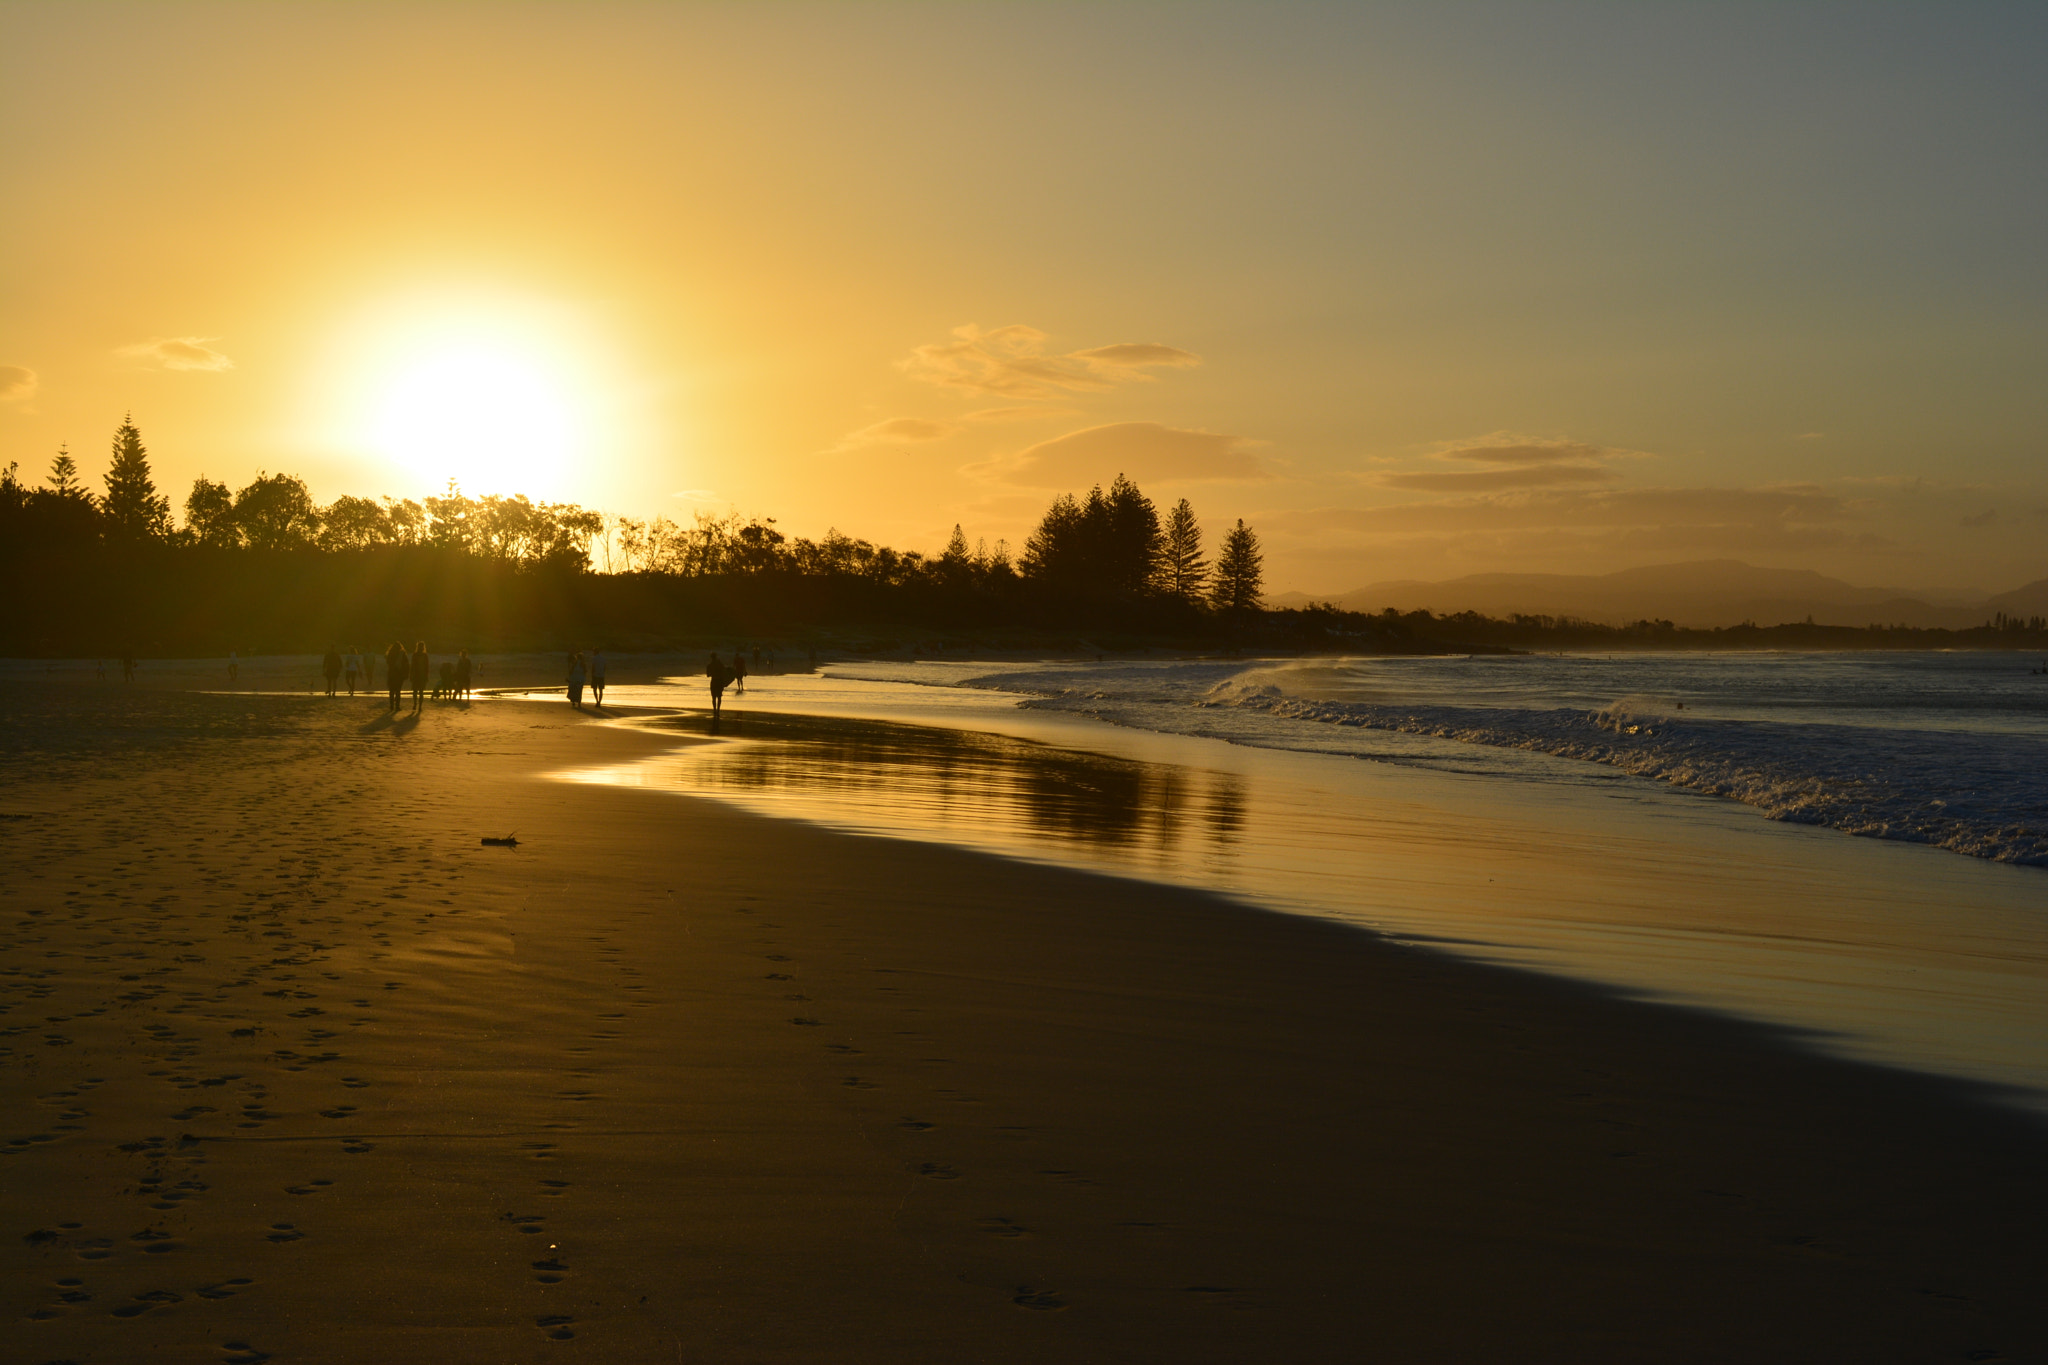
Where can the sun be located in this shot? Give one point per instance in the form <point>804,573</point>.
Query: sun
<point>491,417</point>
<point>501,396</point>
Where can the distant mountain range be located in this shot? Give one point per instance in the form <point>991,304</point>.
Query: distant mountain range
<point>1705,593</point>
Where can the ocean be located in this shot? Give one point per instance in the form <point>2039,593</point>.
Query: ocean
<point>1846,847</point>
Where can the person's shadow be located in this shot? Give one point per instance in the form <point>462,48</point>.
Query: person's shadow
<point>406,724</point>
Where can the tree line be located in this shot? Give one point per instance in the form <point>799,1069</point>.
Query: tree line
<point>1109,547</point>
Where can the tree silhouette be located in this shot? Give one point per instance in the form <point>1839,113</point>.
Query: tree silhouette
<point>1182,567</point>
<point>210,514</point>
<point>1130,542</point>
<point>1108,546</point>
<point>134,510</point>
<point>1239,571</point>
<point>64,476</point>
<point>276,512</point>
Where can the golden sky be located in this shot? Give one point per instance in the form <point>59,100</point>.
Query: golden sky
<point>1416,290</point>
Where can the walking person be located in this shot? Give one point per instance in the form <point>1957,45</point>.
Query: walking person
<point>739,671</point>
<point>576,680</point>
<point>396,665</point>
<point>352,664</point>
<point>422,674</point>
<point>463,669</point>
<point>597,677</point>
<point>128,667</point>
<point>234,668</point>
<point>330,668</point>
<point>715,674</point>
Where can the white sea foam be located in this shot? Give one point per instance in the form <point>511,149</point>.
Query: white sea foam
<point>1949,750</point>
<point>1960,792</point>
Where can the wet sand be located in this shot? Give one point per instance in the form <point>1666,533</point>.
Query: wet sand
<point>296,1069</point>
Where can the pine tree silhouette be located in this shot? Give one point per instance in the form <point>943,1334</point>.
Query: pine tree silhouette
<point>1239,571</point>
<point>1182,567</point>
<point>64,475</point>
<point>134,510</point>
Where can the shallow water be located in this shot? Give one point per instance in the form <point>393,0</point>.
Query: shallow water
<point>1884,950</point>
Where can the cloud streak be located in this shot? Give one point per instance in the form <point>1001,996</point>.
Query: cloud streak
<point>899,431</point>
<point>1012,362</point>
<point>1143,450</point>
<point>177,353</point>
<point>1509,461</point>
<point>17,383</point>
<point>1634,521</point>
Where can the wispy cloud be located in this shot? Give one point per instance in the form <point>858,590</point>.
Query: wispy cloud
<point>1570,521</point>
<point>1012,362</point>
<point>899,431</point>
<point>1018,414</point>
<point>1511,460</point>
<point>177,353</point>
<point>1493,480</point>
<point>17,383</point>
<point>1143,450</point>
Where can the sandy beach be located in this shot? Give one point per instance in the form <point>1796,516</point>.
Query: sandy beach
<point>297,1070</point>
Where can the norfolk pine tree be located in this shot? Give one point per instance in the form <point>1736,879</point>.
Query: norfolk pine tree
<point>64,476</point>
<point>133,508</point>
<point>1239,572</point>
<point>1182,567</point>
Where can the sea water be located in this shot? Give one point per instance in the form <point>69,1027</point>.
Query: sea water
<point>1678,827</point>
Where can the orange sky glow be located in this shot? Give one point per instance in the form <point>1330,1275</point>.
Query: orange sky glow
<point>1417,290</point>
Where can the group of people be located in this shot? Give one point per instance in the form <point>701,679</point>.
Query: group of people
<point>401,666</point>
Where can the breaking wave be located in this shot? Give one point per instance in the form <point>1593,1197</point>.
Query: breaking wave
<point>1980,794</point>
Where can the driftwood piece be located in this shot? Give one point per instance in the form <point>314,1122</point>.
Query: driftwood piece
<point>509,841</point>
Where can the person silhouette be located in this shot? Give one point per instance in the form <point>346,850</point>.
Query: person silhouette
<point>715,674</point>
<point>463,668</point>
<point>395,665</point>
<point>330,668</point>
<point>422,673</point>
<point>128,667</point>
<point>576,680</point>
<point>352,664</point>
<point>597,677</point>
<point>739,671</point>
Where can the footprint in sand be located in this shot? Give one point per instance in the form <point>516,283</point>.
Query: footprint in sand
<point>1000,1227</point>
<point>144,1302</point>
<point>242,1353</point>
<point>553,1187</point>
<point>935,1170</point>
<point>527,1223</point>
<point>283,1232</point>
<point>556,1325</point>
<point>856,1083</point>
<point>1042,1300</point>
<point>550,1271</point>
<point>226,1289</point>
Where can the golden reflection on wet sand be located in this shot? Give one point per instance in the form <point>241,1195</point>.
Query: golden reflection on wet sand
<point>1888,952</point>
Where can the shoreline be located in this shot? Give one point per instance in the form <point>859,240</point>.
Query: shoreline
<point>759,1090</point>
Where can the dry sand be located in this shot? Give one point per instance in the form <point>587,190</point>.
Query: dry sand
<point>296,1070</point>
